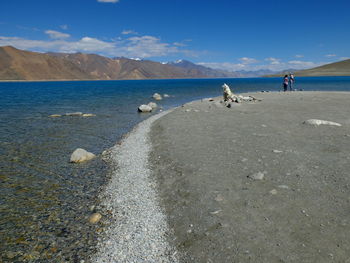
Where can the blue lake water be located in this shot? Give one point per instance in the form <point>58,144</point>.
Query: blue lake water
<point>44,200</point>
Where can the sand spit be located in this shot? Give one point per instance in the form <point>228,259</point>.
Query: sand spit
<point>253,183</point>
<point>139,231</point>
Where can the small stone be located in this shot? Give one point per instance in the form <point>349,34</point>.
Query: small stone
<point>282,186</point>
<point>219,198</point>
<point>316,122</point>
<point>95,218</point>
<point>81,155</point>
<point>257,176</point>
<point>304,212</point>
<point>88,115</point>
<point>74,114</point>
<point>277,151</point>
<point>145,108</point>
<point>55,115</point>
<point>215,212</point>
<point>273,192</point>
<point>166,96</point>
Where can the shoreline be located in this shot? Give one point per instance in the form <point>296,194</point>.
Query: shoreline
<point>255,183</point>
<point>138,230</point>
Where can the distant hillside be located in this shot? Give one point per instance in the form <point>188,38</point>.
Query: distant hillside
<point>24,65</point>
<point>198,70</point>
<point>17,64</point>
<point>341,68</point>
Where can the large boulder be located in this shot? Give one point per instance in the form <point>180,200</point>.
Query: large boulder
<point>157,96</point>
<point>81,155</point>
<point>145,108</point>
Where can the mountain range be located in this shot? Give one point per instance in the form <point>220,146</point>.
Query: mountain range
<point>18,64</point>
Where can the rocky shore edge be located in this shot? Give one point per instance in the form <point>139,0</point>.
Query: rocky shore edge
<point>138,229</point>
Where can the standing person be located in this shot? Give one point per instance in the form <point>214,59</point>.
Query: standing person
<point>285,83</point>
<point>291,81</point>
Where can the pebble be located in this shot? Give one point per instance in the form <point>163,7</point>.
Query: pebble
<point>78,113</point>
<point>215,212</point>
<point>95,218</point>
<point>277,151</point>
<point>55,115</point>
<point>219,198</point>
<point>321,122</point>
<point>273,192</point>
<point>283,186</point>
<point>88,115</point>
<point>257,176</point>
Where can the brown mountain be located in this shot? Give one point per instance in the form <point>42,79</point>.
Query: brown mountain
<point>341,68</point>
<point>17,64</point>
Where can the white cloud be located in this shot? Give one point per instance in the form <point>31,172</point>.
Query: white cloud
<point>330,55</point>
<point>273,61</point>
<point>299,56</point>
<point>108,1</point>
<point>64,27</point>
<point>129,32</point>
<point>274,65</point>
<point>138,46</point>
<point>247,61</point>
<point>224,66</point>
<point>56,35</point>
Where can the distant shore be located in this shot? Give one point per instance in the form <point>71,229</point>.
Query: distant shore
<point>256,182</point>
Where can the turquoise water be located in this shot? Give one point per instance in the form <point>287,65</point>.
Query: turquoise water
<point>44,200</point>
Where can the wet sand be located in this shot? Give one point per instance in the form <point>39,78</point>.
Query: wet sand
<point>205,157</point>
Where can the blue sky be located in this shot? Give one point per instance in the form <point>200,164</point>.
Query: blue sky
<point>232,35</point>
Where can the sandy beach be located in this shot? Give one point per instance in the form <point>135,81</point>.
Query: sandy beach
<point>254,182</point>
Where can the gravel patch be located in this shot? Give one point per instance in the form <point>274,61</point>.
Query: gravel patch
<point>139,229</point>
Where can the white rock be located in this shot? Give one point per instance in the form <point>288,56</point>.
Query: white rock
<point>80,155</point>
<point>74,113</point>
<point>283,186</point>
<point>144,108</point>
<point>257,176</point>
<point>321,122</point>
<point>166,96</point>
<point>157,96</point>
<point>273,192</point>
<point>94,218</point>
<point>277,151</point>
<point>153,105</point>
<point>88,115</point>
<point>55,115</point>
